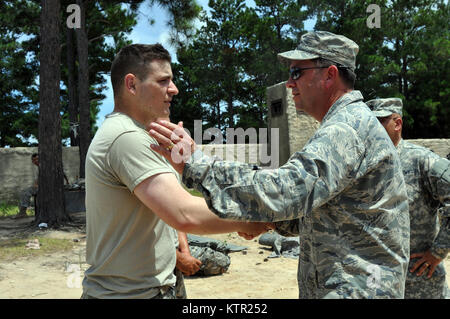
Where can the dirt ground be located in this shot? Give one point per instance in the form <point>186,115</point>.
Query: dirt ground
<point>58,275</point>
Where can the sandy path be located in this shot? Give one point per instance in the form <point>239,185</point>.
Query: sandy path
<point>251,274</point>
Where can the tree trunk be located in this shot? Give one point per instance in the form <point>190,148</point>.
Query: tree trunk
<point>399,62</point>
<point>230,108</point>
<point>72,89</point>
<point>83,88</point>
<point>405,77</point>
<point>219,116</point>
<point>51,188</point>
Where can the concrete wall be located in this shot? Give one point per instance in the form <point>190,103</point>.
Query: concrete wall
<point>16,170</point>
<point>275,94</point>
<point>440,146</point>
<point>301,126</point>
<point>16,167</point>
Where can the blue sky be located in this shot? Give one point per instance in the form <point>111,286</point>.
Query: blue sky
<point>143,32</point>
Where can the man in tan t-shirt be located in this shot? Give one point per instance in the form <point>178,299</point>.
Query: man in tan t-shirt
<point>133,196</point>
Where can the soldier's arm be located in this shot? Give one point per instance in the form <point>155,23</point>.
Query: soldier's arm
<point>187,264</point>
<point>176,207</point>
<point>309,179</point>
<point>438,177</point>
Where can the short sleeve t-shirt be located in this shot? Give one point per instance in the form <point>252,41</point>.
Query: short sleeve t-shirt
<point>130,250</point>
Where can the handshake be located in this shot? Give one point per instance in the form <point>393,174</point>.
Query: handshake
<point>253,229</point>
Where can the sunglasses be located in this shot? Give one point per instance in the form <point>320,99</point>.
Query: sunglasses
<point>296,73</point>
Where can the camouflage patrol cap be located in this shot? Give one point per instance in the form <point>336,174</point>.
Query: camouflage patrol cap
<point>385,107</point>
<point>326,45</point>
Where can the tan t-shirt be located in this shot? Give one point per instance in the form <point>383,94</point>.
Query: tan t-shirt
<point>130,249</point>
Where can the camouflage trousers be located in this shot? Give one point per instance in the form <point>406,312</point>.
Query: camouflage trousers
<point>170,292</point>
<point>166,292</point>
<point>180,289</point>
<point>424,288</point>
<point>25,196</point>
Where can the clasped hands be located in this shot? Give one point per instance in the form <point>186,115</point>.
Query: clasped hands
<point>177,146</point>
<point>253,229</point>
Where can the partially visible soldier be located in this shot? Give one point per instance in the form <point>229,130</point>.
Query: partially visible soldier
<point>427,178</point>
<point>25,195</point>
<point>28,192</point>
<point>343,193</point>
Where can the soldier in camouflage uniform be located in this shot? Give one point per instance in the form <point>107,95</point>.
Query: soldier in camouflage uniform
<point>343,193</point>
<point>427,178</point>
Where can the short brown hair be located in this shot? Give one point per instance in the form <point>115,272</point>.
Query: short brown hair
<point>135,59</point>
<point>347,74</point>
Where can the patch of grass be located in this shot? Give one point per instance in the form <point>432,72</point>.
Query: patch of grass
<point>8,210</point>
<point>14,248</point>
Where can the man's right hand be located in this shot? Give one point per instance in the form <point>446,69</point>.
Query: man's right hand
<point>175,144</point>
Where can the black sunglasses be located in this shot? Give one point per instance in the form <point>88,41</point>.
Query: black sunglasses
<point>296,73</point>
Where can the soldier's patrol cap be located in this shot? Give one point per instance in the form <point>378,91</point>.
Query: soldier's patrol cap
<point>326,45</point>
<point>385,107</point>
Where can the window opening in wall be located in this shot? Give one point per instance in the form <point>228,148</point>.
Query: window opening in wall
<point>276,108</point>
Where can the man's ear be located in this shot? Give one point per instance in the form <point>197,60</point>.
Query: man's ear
<point>331,76</point>
<point>398,124</point>
<point>130,83</point>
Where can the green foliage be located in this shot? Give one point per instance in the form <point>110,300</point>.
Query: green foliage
<point>108,23</point>
<point>19,95</point>
<point>19,62</point>
<point>227,65</point>
<point>8,210</point>
<point>408,57</point>
<point>183,14</point>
